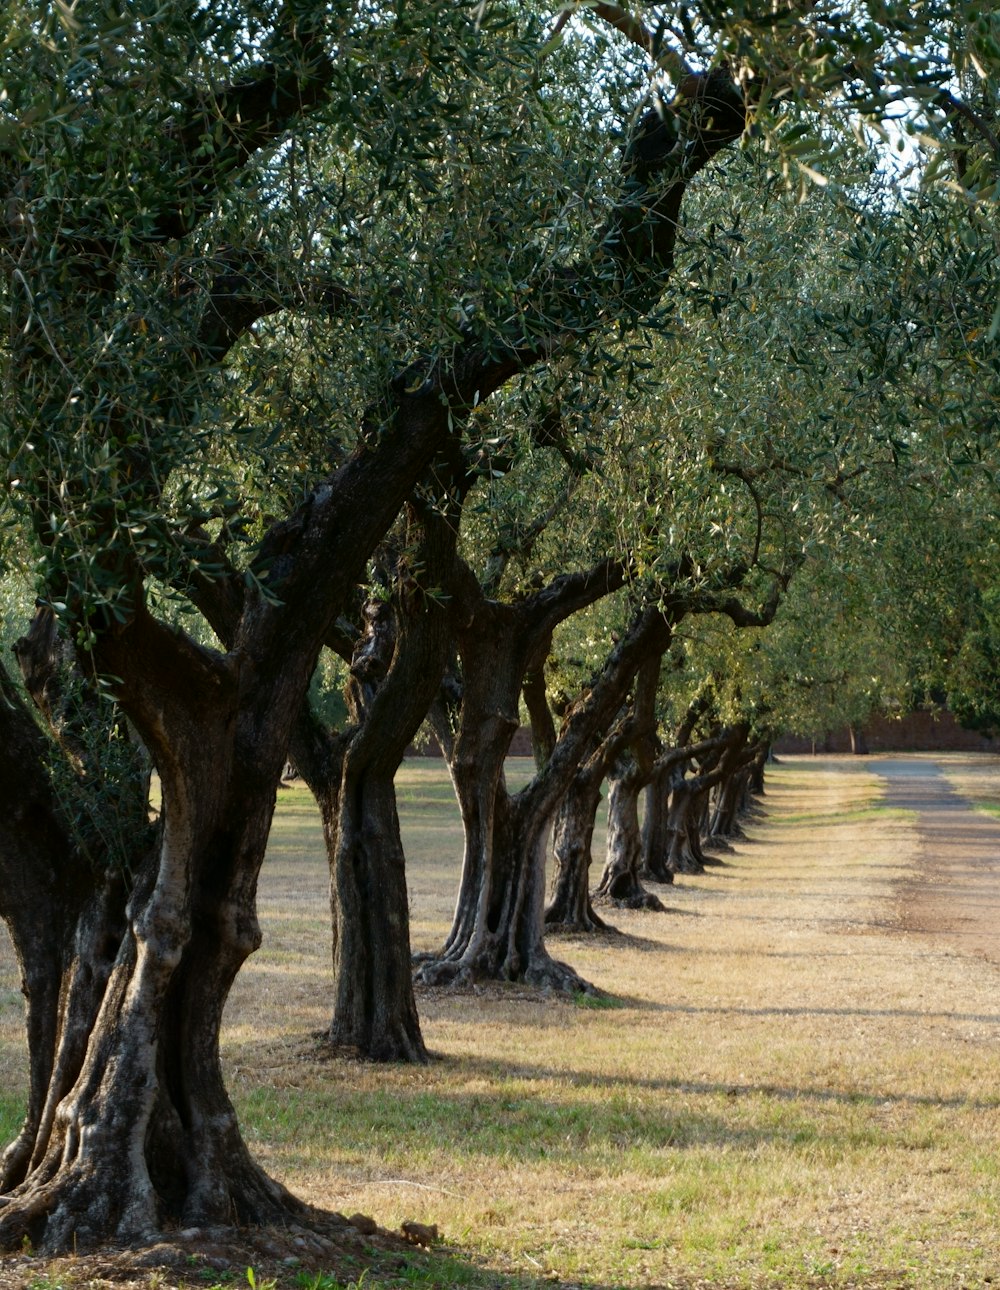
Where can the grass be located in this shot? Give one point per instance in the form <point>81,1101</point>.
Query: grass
<point>779,1087</point>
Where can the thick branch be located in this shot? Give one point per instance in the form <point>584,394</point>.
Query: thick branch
<point>247,285</point>
<point>242,118</point>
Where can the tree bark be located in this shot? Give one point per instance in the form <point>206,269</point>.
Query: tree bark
<point>134,1128</point>
<point>684,854</point>
<point>498,927</point>
<point>665,820</point>
<point>620,882</point>
<point>656,828</point>
<point>731,784</point>
<point>570,908</point>
<point>375,1011</point>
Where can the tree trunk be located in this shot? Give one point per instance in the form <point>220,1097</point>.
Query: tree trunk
<point>497,931</point>
<point>142,1133</point>
<point>498,926</point>
<point>65,927</point>
<point>395,673</point>
<point>133,1129</point>
<point>570,908</point>
<point>728,780</point>
<point>757,770</point>
<point>374,1011</point>
<point>685,855</point>
<point>620,883</point>
<point>657,828</point>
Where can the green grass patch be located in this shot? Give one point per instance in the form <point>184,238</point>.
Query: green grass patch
<point>598,1002</point>
<point>12,1110</point>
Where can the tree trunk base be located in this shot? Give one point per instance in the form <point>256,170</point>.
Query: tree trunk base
<point>396,1045</point>
<point>566,916</point>
<point>657,872</point>
<point>87,1205</point>
<point>327,1244</point>
<point>636,898</point>
<point>464,972</point>
<point>577,926</point>
<point>719,840</point>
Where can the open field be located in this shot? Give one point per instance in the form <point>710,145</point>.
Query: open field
<point>787,1085</point>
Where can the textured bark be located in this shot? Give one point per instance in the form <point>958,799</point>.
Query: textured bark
<point>145,1134</point>
<point>37,859</point>
<point>492,933</point>
<point>498,926</point>
<point>375,1012</point>
<point>730,786</point>
<point>758,767</point>
<point>134,1129</point>
<point>497,931</point>
<point>659,827</point>
<point>61,894</point>
<point>570,908</point>
<point>620,882</point>
<point>683,823</point>
<point>655,833</point>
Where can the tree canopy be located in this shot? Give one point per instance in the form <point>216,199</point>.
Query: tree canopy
<point>292,287</point>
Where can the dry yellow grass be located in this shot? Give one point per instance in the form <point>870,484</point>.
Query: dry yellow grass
<point>793,1089</point>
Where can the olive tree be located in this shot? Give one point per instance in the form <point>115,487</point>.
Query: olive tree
<point>154,167</point>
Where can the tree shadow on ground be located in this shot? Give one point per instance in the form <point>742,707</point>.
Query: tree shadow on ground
<point>270,1259</point>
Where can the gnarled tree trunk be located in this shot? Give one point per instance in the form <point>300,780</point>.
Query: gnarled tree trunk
<point>497,931</point>
<point>570,908</point>
<point>374,1009</point>
<point>498,927</point>
<point>620,884</point>
<point>129,1126</point>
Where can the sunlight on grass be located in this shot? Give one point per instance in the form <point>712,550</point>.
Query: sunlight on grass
<point>778,1086</point>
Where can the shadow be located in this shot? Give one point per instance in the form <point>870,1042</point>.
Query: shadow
<point>709,1088</point>
<point>479,1112</point>
<point>617,938</point>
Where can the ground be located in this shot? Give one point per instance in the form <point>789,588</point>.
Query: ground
<point>222,1257</point>
<point>790,1081</point>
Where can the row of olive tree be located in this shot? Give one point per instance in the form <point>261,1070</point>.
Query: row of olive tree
<point>427,200</point>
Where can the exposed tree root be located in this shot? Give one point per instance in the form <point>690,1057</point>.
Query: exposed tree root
<point>579,926</point>
<point>542,971</point>
<point>634,899</point>
<point>283,1254</point>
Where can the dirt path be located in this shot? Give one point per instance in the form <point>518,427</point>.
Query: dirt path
<point>955,894</point>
